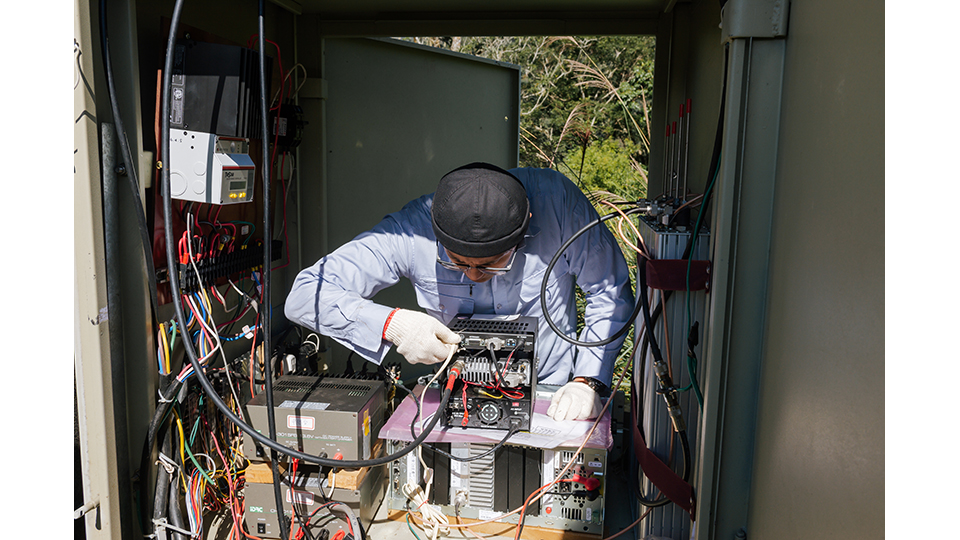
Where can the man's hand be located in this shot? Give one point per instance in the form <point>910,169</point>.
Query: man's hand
<point>574,401</point>
<point>420,338</point>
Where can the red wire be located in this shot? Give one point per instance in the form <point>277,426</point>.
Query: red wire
<point>286,240</point>
<point>293,496</point>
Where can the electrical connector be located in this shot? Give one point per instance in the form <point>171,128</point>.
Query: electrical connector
<point>431,514</point>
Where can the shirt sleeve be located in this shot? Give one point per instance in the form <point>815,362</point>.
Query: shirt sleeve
<point>333,296</point>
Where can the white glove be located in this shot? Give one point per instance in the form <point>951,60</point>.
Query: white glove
<point>574,401</point>
<point>420,338</point>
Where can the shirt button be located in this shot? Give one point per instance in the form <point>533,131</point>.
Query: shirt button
<point>441,307</point>
<point>498,306</point>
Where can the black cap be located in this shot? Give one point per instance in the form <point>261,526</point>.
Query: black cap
<point>480,210</point>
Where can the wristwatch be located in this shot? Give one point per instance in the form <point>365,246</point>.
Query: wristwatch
<point>594,384</point>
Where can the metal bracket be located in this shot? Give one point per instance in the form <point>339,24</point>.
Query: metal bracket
<point>754,19</point>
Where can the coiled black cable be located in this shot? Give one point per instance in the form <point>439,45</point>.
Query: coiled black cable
<point>546,276</point>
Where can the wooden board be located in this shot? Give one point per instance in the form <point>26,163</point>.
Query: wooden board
<point>505,529</point>
<point>260,472</point>
<point>352,478</point>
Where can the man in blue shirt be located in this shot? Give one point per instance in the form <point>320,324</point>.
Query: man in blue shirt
<point>480,244</point>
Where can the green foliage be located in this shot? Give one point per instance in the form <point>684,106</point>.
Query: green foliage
<point>607,168</point>
<point>575,91</point>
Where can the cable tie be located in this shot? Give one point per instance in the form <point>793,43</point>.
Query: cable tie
<point>162,523</point>
<point>163,399</point>
<point>168,464</point>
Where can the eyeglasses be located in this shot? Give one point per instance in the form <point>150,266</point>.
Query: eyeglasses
<point>490,270</point>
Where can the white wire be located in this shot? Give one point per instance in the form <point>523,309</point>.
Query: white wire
<point>316,337</point>
<point>430,514</point>
<point>428,472</point>
<point>216,334</point>
<point>333,484</point>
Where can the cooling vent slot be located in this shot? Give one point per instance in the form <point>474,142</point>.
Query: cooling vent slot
<point>479,370</point>
<point>567,456</point>
<point>572,513</point>
<point>491,327</point>
<point>306,387</point>
<point>295,387</point>
<point>481,476</point>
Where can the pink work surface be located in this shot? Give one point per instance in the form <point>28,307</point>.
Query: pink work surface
<point>398,425</point>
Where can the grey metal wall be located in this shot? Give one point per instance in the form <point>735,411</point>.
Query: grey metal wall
<point>819,464</point>
<point>793,378</point>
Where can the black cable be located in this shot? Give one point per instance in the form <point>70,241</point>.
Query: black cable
<point>546,277</point>
<point>266,314</point>
<point>131,167</point>
<point>176,515</point>
<point>159,416</point>
<point>510,433</point>
<point>189,350</point>
<point>161,496</point>
<point>304,523</point>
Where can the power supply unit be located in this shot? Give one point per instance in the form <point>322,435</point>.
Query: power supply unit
<point>339,417</point>
<point>310,491</point>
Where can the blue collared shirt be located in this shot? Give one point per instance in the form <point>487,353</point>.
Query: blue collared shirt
<point>332,296</point>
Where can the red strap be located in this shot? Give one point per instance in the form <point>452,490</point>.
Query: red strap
<point>671,275</point>
<point>668,482</point>
<point>383,335</point>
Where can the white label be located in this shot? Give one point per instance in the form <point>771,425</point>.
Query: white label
<point>595,464</point>
<point>588,513</point>
<point>489,514</point>
<point>412,469</point>
<point>292,404</point>
<point>300,422</point>
<point>455,481</point>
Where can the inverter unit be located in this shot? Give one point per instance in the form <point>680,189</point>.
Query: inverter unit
<point>214,115</point>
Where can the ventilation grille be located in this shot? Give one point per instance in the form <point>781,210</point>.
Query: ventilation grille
<point>479,370</point>
<point>572,513</point>
<point>491,327</point>
<point>306,387</point>
<point>567,456</point>
<point>481,476</point>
